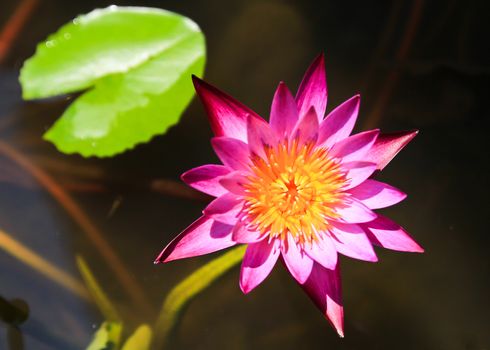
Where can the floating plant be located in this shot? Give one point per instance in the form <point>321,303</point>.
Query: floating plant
<point>134,83</point>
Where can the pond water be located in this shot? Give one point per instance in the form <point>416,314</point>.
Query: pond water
<point>417,64</point>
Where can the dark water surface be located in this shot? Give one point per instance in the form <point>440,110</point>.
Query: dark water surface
<point>418,64</point>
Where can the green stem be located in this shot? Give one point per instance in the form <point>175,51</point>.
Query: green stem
<point>182,293</point>
<point>101,299</point>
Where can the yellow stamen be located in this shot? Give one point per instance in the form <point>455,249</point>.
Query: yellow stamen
<point>295,191</point>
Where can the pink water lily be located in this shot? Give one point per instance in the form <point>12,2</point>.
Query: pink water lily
<point>298,188</point>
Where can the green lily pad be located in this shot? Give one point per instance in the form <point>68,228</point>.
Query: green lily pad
<point>135,64</point>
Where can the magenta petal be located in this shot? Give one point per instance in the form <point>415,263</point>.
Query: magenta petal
<point>225,208</point>
<point>352,211</point>
<point>324,288</point>
<point>306,130</point>
<point>389,235</point>
<point>260,136</point>
<point>206,178</point>
<point>241,234</point>
<point>298,263</point>
<point>355,147</point>
<point>376,195</point>
<point>227,116</point>
<point>357,172</point>
<point>313,89</point>
<point>387,147</point>
<point>232,152</point>
<point>323,252</point>
<point>284,112</point>
<point>257,263</point>
<point>339,123</point>
<point>203,236</point>
<point>351,240</point>
<point>234,182</point>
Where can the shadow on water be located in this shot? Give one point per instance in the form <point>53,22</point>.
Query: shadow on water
<point>417,64</point>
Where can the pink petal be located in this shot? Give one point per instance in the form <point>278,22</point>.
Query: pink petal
<point>355,147</point>
<point>323,252</point>
<point>203,236</point>
<point>284,112</point>
<point>352,211</point>
<point>241,234</point>
<point>350,240</point>
<point>257,263</point>
<point>298,263</point>
<point>225,208</point>
<point>357,173</point>
<point>260,136</point>
<point>387,147</point>
<point>388,234</point>
<point>227,116</point>
<point>375,194</point>
<point>234,182</point>
<point>324,288</point>
<point>339,123</point>
<point>206,179</point>
<point>233,153</point>
<point>306,130</point>
<point>313,89</point>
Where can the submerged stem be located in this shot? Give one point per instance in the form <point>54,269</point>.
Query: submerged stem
<point>14,25</point>
<point>182,293</point>
<point>101,299</point>
<point>41,265</point>
<point>73,209</point>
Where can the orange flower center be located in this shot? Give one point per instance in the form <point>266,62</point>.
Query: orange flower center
<point>293,191</point>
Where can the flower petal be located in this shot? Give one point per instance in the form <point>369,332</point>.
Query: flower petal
<point>323,252</point>
<point>376,195</point>
<point>224,209</point>
<point>206,178</point>
<point>306,130</point>
<point>298,263</point>
<point>203,236</point>
<point>389,235</point>
<point>357,172</point>
<point>227,116</point>
<point>284,112</point>
<point>339,123</point>
<point>234,182</point>
<point>232,152</point>
<point>241,234</point>
<point>313,89</point>
<point>352,211</point>
<point>260,136</point>
<point>257,263</point>
<point>355,147</point>
<point>324,288</point>
<point>351,240</point>
<point>387,147</point>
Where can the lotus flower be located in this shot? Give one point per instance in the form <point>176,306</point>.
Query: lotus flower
<point>298,188</point>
